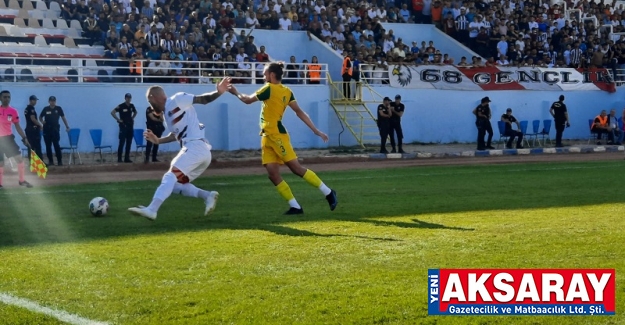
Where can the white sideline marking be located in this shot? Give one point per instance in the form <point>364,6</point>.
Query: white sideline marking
<point>63,316</point>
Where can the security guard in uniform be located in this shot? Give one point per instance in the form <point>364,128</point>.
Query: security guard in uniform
<point>384,122</point>
<point>33,126</point>
<point>397,111</point>
<point>49,117</point>
<point>483,114</point>
<point>153,122</point>
<point>126,119</point>
<point>561,119</point>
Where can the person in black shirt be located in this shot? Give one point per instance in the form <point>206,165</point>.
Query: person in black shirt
<point>33,127</point>
<point>291,72</point>
<point>483,114</point>
<point>127,113</point>
<point>397,110</point>
<point>384,122</point>
<point>508,118</point>
<point>154,122</point>
<point>49,117</point>
<point>561,119</point>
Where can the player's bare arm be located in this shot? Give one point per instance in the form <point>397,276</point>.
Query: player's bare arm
<point>306,119</point>
<point>148,135</point>
<point>206,98</point>
<point>247,99</point>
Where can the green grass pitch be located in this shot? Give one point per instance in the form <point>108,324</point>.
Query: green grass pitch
<point>364,263</point>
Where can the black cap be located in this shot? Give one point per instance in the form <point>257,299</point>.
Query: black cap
<point>52,98</point>
<point>509,110</point>
<point>398,96</point>
<point>33,97</point>
<point>485,99</point>
<point>386,98</point>
<point>128,95</point>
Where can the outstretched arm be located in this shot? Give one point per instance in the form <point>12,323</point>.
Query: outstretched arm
<point>150,136</point>
<point>247,99</point>
<point>306,119</point>
<point>206,98</point>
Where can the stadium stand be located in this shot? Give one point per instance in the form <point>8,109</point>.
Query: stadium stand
<point>577,33</point>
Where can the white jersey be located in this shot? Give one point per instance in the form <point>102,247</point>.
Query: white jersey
<point>181,118</point>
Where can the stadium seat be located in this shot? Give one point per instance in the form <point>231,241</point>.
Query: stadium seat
<point>592,136</point>
<point>13,4</point>
<point>61,24</point>
<point>54,6</point>
<point>96,138</point>
<point>26,4</point>
<point>45,79</point>
<point>74,136</point>
<point>3,5</point>
<point>40,5</point>
<point>103,76</point>
<point>90,79</point>
<point>19,22</point>
<point>524,125</point>
<point>72,75</point>
<point>60,79</point>
<point>501,125</point>
<point>38,14</point>
<point>3,32</point>
<point>69,42</point>
<point>545,132</point>
<point>40,41</point>
<point>33,23</point>
<point>139,141</point>
<point>9,75</point>
<point>26,75</point>
<point>534,133</point>
<point>47,23</point>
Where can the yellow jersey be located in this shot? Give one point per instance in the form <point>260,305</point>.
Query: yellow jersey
<point>275,98</point>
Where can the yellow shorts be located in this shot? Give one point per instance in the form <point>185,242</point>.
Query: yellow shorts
<point>277,148</point>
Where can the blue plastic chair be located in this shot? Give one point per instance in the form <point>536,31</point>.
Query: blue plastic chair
<point>139,141</point>
<point>524,125</point>
<point>96,138</point>
<point>534,133</point>
<point>545,132</point>
<point>501,125</point>
<point>74,136</point>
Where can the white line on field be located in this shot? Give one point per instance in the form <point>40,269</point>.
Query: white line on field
<point>35,192</point>
<point>37,308</point>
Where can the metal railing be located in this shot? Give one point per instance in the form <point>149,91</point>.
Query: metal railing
<point>54,69</point>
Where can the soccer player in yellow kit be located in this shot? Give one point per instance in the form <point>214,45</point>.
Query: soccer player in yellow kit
<point>275,141</point>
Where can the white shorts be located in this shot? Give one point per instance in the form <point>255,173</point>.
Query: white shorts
<point>193,159</point>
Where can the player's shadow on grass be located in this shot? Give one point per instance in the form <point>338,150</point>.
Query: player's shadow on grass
<point>287,231</point>
<point>417,224</point>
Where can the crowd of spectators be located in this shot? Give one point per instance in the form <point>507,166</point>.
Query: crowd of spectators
<point>507,33</point>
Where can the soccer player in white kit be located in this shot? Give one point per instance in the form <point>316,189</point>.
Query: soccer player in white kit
<point>195,155</point>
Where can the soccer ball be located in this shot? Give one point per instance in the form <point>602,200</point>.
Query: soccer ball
<point>98,206</point>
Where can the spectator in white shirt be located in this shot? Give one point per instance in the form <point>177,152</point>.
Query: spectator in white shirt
<point>373,12</point>
<point>210,22</point>
<point>251,21</point>
<point>319,6</point>
<point>285,22</point>
<point>241,55</point>
<point>503,61</point>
